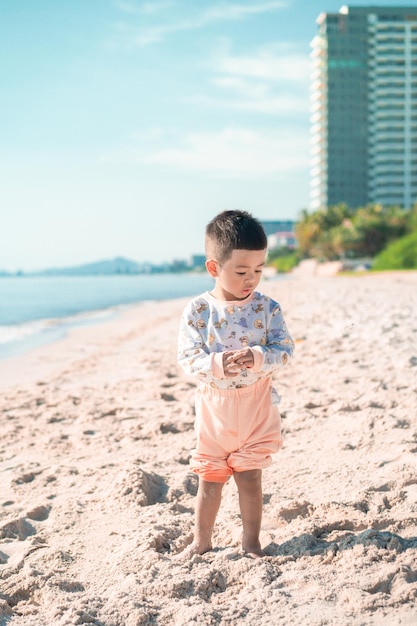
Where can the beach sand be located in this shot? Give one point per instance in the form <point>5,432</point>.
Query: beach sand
<point>96,497</point>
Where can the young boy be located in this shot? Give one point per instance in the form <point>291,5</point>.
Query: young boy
<point>232,339</point>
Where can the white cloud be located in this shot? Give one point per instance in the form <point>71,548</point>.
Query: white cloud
<point>241,86</point>
<point>289,67</point>
<point>279,105</point>
<point>284,104</point>
<point>220,13</point>
<point>126,7</point>
<point>273,80</point>
<point>239,11</point>
<point>147,8</point>
<point>156,6</point>
<point>281,62</point>
<point>237,153</point>
<point>149,37</point>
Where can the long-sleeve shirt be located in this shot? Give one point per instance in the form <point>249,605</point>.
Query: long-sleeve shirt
<point>210,327</point>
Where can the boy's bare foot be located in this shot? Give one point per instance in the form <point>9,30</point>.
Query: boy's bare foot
<point>191,550</point>
<point>254,552</point>
<point>255,555</point>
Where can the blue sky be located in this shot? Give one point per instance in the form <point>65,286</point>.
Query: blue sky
<point>126,125</point>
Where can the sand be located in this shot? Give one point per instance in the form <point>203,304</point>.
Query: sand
<point>96,497</point>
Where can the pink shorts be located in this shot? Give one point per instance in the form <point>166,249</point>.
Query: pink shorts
<point>237,430</point>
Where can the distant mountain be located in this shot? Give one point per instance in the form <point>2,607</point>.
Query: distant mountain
<point>119,265</point>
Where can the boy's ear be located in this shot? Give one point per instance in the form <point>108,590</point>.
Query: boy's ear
<point>211,266</point>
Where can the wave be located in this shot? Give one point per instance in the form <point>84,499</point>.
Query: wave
<point>16,338</point>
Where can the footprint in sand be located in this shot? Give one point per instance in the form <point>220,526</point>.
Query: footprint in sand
<point>19,529</point>
<point>39,513</point>
<point>143,488</point>
<point>17,540</point>
<point>168,428</point>
<point>296,509</point>
<point>168,397</point>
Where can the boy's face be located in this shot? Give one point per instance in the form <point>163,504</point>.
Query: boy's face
<point>239,276</point>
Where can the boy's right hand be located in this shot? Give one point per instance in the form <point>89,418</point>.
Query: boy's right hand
<point>230,367</point>
<point>234,361</point>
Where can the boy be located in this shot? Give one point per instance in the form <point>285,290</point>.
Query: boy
<point>232,339</point>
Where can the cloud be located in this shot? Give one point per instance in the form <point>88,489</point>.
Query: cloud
<point>239,11</point>
<point>147,8</point>
<point>294,106</point>
<point>280,63</point>
<point>220,13</point>
<point>284,104</point>
<point>156,6</point>
<point>273,80</point>
<point>272,62</point>
<point>241,86</point>
<point>237,153</point>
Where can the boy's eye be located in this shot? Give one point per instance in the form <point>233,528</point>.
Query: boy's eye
<point>240,273</point>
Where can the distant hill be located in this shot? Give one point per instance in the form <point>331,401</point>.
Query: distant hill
<point>119,265</point>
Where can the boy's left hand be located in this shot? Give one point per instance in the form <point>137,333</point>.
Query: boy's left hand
<point>244,358</point>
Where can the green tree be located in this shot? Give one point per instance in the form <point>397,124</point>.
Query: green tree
<point>375,227</point>
<point>313,231</point>
<point>339,232</point>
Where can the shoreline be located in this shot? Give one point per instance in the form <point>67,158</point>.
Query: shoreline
<point>73,341</point>
<point>51,330</point>
<point>34,316</point>
<point>97,498</point>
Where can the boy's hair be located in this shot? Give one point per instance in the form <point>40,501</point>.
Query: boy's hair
<point>233,230</point>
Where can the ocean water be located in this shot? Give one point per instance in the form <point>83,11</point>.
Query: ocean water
<point>35,310</point>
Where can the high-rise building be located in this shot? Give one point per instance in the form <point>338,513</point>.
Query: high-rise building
<point>364,107</point>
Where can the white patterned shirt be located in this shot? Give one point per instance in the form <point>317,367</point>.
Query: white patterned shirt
<point>210,327</point>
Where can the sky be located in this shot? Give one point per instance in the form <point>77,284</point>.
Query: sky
<point>127,125</point>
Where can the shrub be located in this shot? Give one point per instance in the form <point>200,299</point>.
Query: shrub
<point>285,262</point>
<point>398,255</point>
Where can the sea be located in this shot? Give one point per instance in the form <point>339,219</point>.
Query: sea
<point>35,310</point>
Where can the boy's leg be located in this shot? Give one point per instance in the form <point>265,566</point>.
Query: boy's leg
<point>249,486</point>
<point>209,496</point>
